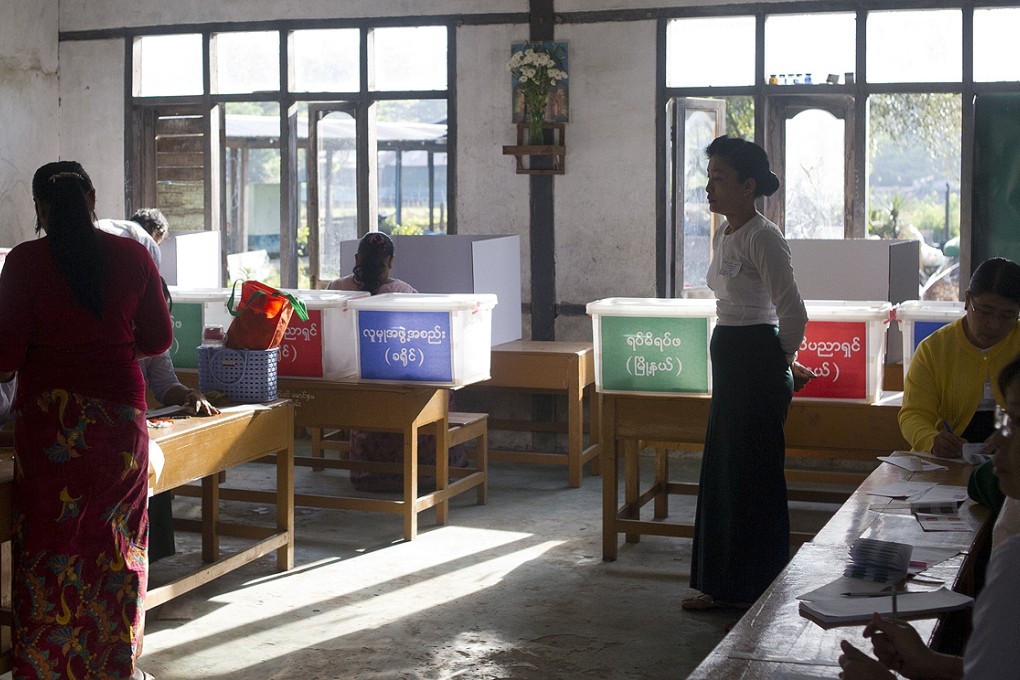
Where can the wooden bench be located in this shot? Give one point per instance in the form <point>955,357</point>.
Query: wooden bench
<point>463,427</point>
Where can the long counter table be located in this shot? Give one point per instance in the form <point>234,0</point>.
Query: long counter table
<point>773,637</point>
<point>814,429</point>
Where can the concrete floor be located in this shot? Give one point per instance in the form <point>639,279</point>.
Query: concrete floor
<point>515,590</point>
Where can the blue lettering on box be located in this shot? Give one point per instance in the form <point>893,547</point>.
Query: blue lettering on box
<point>413,346</point>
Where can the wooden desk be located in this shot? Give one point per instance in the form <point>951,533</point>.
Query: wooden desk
<point>202,448</point>
<point>404,408</point>
<point>774,629</point>
<point>556,368</point>
<point>814,429</point>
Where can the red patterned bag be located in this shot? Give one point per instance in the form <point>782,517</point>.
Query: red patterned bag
<point>261,317</point>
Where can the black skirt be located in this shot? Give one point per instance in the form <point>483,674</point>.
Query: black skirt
<point>742,527</point>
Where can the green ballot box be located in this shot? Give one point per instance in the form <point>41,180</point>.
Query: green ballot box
<point>194,309</point>
<point>652,345</point>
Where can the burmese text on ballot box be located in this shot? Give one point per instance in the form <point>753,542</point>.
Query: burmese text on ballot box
<point>844,344</point>
<point>438,339</point>
<point>652,345</point>
<point>322,346</point>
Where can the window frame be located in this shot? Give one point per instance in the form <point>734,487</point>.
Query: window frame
<point>860,90</point>
<point>141,172</point>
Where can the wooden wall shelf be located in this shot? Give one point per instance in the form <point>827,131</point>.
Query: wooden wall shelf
<point>556,152</point>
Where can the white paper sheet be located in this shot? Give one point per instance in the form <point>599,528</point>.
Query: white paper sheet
<point>912,463</point>
<point>157,459</point>
<point>941,493</point>
<point>901,489</point>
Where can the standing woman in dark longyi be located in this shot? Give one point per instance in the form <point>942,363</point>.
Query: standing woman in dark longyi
<point>76,308</point>
<point>742,527</point>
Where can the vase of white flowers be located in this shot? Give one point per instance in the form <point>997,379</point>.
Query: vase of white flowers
<point>536,68</point>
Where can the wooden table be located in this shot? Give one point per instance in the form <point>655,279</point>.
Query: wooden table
<point>814,429</point>
<point>202,448</point>
<point>552,367</point>
<point>773,629</point>
<point>406,408</point>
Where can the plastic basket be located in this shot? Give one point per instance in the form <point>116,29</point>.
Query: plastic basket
<point>244,375</point>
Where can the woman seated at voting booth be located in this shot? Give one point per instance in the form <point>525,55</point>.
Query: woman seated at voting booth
<point>372,265</point>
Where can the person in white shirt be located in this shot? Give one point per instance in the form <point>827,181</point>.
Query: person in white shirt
<point>161,379</point>
<point>134,231</point>
<point>992,651</point>
<point>742,525</point>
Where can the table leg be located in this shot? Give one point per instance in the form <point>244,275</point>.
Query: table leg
<point>594,424</point>
<point>210,518</point>
<point>285,506</point>
<point>631,484</point>
<point>411,483</point>
<point>575,432</point>
<point>442,468</point>
<point>607,457</point>
<point>661,483</point>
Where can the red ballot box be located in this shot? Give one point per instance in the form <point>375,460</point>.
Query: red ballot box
<point>844,345</point>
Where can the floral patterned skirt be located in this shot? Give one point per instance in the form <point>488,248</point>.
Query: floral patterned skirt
<point>80,537</point>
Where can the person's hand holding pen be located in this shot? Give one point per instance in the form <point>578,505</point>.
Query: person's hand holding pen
<point>947,444</point>
<point>898,647</point>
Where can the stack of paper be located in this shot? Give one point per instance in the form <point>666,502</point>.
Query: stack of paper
<point>848,610</point>
<point>882,561</point>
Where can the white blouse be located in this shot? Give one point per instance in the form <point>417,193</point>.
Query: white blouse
<point>751,274</point>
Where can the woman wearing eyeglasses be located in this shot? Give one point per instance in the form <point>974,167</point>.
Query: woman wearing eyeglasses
<point>992,650</point>
<point>950,391</point>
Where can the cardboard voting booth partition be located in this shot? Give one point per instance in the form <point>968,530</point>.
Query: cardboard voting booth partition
<point>322,346</point>
<point>919,319</point>
<point>844,345</point>
<point>436,339</point>
<point>191,259</point>
<point>652,345</point>
<point>859,270</point>
<point>460,264</point>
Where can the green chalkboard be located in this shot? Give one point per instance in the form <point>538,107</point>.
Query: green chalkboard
<point>996,211</point>
<point>187,321</point>
<point>654,354</point>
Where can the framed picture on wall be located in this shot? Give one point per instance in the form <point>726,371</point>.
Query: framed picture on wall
<point>558,109</point>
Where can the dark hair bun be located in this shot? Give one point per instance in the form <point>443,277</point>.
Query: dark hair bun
<point>769,184</point>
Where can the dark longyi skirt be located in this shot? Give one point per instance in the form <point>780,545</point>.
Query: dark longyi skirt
<point>742,527</point>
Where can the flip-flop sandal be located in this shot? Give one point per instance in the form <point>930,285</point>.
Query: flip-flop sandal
<point>705,602</point>
<point>699,603</point>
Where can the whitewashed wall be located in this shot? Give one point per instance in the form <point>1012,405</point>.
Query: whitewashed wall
<point>491,197</point>
<point>28,109</point>
<point>92,117</point>
<point>605,203</point>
